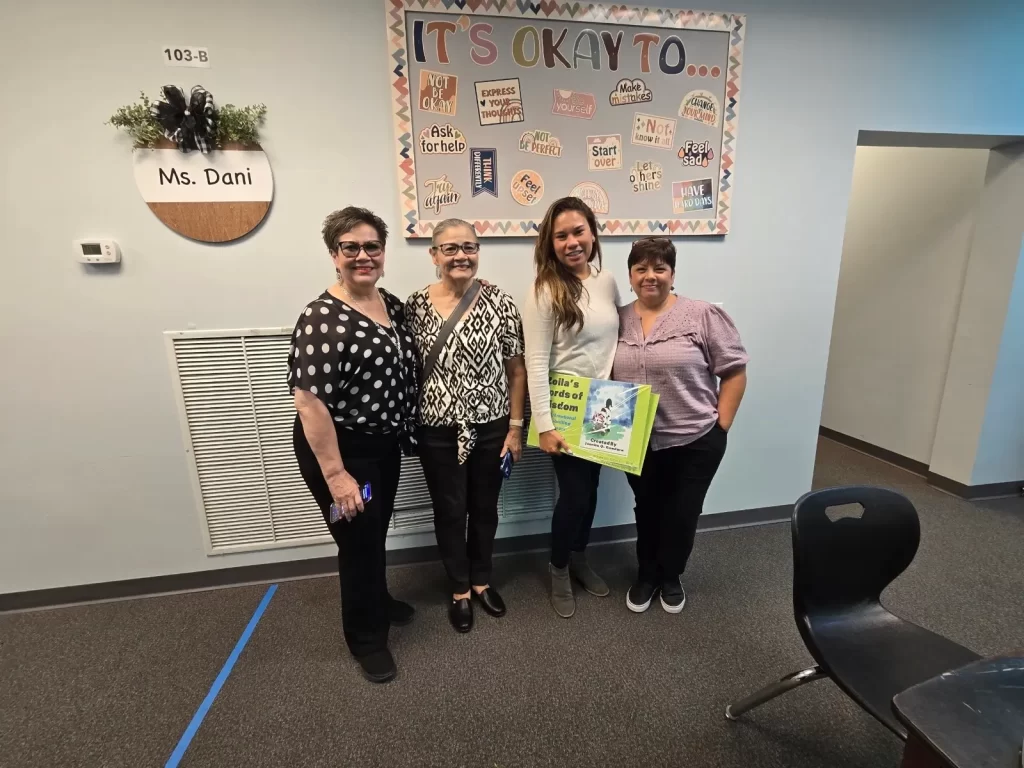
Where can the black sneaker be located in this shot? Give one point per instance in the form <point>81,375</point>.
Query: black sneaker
<point>673,598</point>
<point>378,667</point>
<point>639,596</point>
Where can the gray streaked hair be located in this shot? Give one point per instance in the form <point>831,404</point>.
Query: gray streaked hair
<point>344,221</point>
<point>450,224</point>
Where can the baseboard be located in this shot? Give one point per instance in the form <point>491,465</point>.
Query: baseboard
<point>970,492</point>
<point>985,491</point>
<point>876,452</point>
<point>247,574</point>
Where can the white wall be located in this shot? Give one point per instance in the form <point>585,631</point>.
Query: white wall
<point>1000,457</point>
<point>981,414</point>
<point>908,236</point>
<point>93,477</point>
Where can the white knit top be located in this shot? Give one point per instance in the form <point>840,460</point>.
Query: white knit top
<point>588,351</point>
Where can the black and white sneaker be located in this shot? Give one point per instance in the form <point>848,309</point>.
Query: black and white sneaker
<point>639,596</point>
<point>673,598</point>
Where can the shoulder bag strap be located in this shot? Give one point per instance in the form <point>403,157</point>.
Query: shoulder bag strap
<point>446,330</point>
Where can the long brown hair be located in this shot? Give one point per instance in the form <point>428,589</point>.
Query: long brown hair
<point>562,286</point>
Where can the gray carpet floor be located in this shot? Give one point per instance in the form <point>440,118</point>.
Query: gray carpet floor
<point>116,684</point>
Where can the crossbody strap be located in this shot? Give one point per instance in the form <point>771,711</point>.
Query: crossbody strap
<point>447,328</point>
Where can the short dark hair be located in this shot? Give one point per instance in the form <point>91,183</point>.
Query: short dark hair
<point>652,250</point>
<point>347,219</point>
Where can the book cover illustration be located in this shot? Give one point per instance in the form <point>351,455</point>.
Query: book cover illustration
<point>608,424</point>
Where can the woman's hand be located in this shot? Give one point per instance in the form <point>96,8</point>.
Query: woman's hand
<point>513,443</point>
<point>552,442</point>
<point>346,494</point>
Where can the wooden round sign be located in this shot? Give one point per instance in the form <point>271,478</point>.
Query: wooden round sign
<point>214,198</point>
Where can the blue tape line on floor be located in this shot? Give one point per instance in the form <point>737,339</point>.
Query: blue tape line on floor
<point>197,718</point>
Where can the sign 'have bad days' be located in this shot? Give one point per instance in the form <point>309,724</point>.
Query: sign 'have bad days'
<point>506,110</point>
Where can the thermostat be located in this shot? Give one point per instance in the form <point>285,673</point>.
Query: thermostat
<point>97,251</point>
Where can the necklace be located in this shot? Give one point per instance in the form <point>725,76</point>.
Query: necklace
<point>389,329</point>
<point>352,299</point>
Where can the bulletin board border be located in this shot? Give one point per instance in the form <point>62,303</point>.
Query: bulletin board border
<point>733,23</point>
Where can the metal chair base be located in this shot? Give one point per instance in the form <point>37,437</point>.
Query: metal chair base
<point>788,683</point>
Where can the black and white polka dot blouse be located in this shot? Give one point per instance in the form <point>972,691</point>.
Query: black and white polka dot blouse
<point>364,372</point>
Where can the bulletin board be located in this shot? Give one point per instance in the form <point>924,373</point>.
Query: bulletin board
<point>501,108</point>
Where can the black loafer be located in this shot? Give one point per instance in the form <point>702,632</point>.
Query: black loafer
<point>378,667</point>
<point>400,614</point>
<point>491,601</point>
<point>460,614</point>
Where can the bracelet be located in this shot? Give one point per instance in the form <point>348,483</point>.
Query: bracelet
<point>515,423</point>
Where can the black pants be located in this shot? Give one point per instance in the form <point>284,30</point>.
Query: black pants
<point>574,510</point>
<point>461,491</point>
<point>374,459</point>
<point>669,499</point>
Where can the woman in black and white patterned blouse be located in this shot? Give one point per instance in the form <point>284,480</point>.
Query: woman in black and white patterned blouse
<point>470,411</point>
<point>352,371</point>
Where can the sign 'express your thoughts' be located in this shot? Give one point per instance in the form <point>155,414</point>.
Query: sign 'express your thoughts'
<point>503,109</point>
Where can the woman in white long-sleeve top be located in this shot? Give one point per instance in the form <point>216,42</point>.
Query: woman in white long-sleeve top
<point>571,324</point>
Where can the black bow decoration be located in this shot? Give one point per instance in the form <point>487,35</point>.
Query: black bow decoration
<point>190,125</point>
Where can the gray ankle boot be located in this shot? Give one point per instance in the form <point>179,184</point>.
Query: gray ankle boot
<point>561,592</point>
<point>581,570</point>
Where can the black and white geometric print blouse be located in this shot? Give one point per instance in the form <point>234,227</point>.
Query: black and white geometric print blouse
<point>364,372</point>
<point>468,385</point>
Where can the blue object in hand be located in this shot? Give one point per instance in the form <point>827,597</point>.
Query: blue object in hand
<point>336,514</point>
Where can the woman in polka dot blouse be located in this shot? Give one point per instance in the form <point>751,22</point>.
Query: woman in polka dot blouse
<point>352,372</point>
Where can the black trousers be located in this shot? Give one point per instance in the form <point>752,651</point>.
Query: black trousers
<point>461,493</point>
<point>669,498</point>
<point>374,459</point>
<point>574,510</point>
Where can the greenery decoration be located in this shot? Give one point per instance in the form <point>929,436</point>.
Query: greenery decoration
<point>239,125</point>
<point>138,122</point>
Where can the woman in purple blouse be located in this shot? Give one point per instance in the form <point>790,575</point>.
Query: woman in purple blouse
<point>682,348</point>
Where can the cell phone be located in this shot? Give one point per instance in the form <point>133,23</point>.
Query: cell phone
<point>506,465</point>
<point>366,492</point>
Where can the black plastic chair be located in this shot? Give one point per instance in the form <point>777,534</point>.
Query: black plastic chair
<point>840,568</point>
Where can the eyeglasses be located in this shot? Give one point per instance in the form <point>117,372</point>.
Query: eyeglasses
<point>450,249</point>
<point>351,249</point>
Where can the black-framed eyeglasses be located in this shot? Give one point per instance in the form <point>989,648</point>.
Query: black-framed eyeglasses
<point>351,249</point>
<point>450,249</point>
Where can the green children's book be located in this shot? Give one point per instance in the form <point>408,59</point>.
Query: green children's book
<point>607,422</point>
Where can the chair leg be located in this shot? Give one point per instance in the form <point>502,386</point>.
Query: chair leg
<point>788,683</point>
